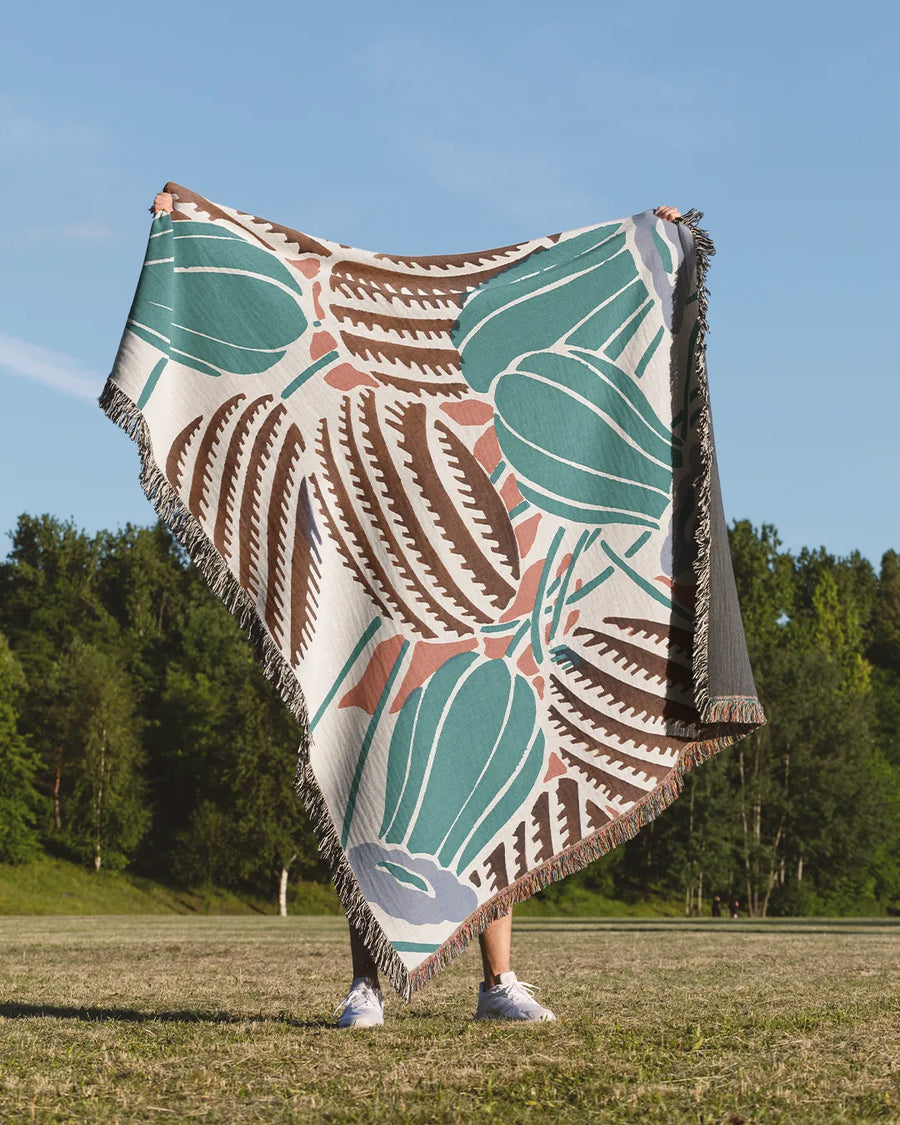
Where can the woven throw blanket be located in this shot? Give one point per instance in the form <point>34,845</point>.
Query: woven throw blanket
<point>468,509</point>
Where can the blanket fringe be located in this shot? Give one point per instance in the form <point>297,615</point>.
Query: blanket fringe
<point>574,859</point>
<point>704,250</point>
<point>120,409</point>
<point>744,710</point>
<point>170,508</point>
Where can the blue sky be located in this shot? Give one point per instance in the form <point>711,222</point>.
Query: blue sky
<point>427,128</point>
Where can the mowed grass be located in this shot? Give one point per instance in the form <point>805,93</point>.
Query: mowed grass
<point>228,1019</point>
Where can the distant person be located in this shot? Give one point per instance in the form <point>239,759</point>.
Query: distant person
<point>501,995</point>
<point>716,906</point>
<point>735,907</point>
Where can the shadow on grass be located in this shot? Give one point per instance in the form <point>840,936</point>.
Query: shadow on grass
<point>194,1016</point>
<point>134,1015</point>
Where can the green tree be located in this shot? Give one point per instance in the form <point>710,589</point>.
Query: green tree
<point>18,798</point>
<point>48,599</point>
<point>136,724</point>
<point>809,809</point>
<point>105,815</point>
<point>837,630</point>
<point>230,746</point>
<point>803,814</point>
<point>884,653</point>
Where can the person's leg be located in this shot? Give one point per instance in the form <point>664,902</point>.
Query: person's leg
<point>363,1006</point>
<point>502,996</point>
<point>496,947</point>
<point>361,959</point>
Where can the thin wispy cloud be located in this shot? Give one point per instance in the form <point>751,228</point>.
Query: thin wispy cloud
<point>22,360</point>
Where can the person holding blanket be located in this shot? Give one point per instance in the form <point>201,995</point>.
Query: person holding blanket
<point>502,996</point>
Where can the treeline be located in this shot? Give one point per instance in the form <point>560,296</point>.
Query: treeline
<point>135,726</point>
<point>803,816</point>
<point>136,730</point>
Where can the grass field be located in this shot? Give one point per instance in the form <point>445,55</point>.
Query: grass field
<point>227,1019</point>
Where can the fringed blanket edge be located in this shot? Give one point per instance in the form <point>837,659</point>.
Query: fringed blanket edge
<point>120,409</point>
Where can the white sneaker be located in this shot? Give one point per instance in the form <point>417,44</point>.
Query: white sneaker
<point>511,999</point>
<point>363,1006</point>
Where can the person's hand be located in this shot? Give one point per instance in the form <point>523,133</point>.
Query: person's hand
<point>163,204</point>
<point>670,214</point>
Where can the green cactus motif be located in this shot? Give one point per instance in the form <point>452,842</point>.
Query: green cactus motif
<point>464,755</point>
<point>578,431</point>
<point>237,307</point>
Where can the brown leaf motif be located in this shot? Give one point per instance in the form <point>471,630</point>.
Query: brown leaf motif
<point>415,517</point>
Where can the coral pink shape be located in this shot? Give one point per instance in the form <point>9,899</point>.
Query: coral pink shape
<point>427,657</point>
<point>317,293</point>
<point>526,663</point>
<point>571,619</point>
<point>487,450</point>
<point>469,412</point>
<point>309,267</point>
<point>345,377</point>
<point>555,767</point>
<point>510,493</point>
<point>322,342</point>
<point>562,566</point>
<point>495,647</point>
<point>528,588</point>
<point>525,533</point>
<point>368,690</point>
<point>538,685</point>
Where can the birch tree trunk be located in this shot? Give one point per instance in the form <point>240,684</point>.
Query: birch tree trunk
<point>57,811</point>
<point>689,889</point>
<point>282,887</point>
<point>748,871</point>
<point>98,804</point>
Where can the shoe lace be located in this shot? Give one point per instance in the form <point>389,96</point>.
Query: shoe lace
<point>520,989</point>
<point>363,993</point>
